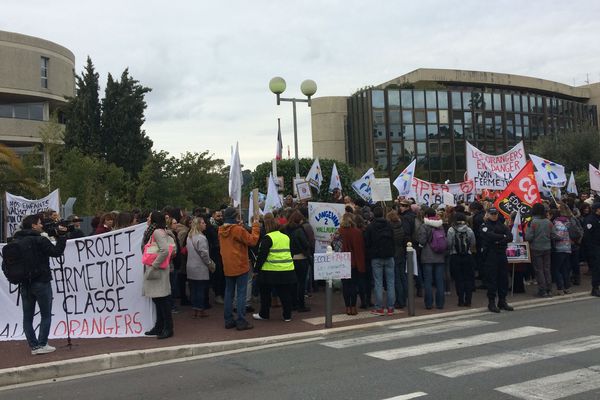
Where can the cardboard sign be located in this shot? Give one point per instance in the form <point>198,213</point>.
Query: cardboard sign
<point>333,266</point>
<point>381,190</point>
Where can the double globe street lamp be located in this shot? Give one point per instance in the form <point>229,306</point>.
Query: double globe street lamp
<point>309,88</point>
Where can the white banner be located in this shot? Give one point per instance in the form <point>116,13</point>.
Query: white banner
<point>325,219</point>
<point>101,287</point>
<point>433,193</point>
<point>18,207</point>
<point>332,266</point>
<point>494,172</point>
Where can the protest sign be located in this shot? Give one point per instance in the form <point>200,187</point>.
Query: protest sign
<point>332,266</point>
<point>494,172</point>
<point>18,207</point>
<point>325,220</point>
<point>433,193</point>
<point>100,285</point>
<point>381,190</point>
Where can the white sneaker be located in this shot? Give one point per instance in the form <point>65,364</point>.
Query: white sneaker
<point>219,299</point>
<point>43,350</point>
<point>257,317</point>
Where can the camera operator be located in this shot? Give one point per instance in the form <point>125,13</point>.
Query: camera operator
<point>38,289</point>
<point>75,232</point>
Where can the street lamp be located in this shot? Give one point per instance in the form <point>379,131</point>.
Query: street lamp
<point>308,88</point>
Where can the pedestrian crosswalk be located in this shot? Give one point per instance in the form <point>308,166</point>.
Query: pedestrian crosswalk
<point>569,382</point>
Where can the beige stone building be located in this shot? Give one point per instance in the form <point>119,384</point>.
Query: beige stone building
<point>429,114</point>
<point>36,76</point>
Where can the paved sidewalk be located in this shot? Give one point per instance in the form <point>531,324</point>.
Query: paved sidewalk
<point>194,337</point>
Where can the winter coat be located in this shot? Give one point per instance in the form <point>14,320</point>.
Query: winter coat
<point>234,241</point>
<point>379,239</point>
<point>354,242</point>
<point>400,239</point>
<point>538,234</point>
<point>198,258</point>
<point>424,236</point>
<point>42,249</point>
<point>156,280</point>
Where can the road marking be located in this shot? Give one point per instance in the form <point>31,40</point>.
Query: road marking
<point>408,396</point>
<point>459,343</point>
<point>427,330</point>
<point>556,386</point>
<point>511,358</point>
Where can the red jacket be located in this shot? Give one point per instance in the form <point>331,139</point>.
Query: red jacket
<point>353,242</point>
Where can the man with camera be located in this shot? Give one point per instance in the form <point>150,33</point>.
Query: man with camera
<point>38,289</point>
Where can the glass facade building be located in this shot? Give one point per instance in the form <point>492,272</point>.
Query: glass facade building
<point>388,127</point>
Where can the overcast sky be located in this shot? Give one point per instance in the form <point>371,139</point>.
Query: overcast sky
<point>209,64</point>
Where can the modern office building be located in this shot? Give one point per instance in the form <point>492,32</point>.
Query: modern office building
<point>428,114</point>
<point>35,77</point>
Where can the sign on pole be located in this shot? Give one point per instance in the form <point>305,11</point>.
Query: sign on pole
<point>332,266</point>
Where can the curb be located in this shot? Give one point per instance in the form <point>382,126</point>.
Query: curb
<point>109,362</point>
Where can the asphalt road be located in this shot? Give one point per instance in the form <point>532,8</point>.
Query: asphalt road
<point>550,352</point>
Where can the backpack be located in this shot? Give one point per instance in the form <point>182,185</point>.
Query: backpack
<point>438,240</point>
<point>17,263</point>
<point>575,230</point>
<point>461,242</point>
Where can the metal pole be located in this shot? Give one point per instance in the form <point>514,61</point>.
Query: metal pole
<point>410,282</point>
<point>296,140</point>
<point>328,297</point>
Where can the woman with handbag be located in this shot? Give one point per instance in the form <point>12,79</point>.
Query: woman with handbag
<point>198,266</point>
<point>158,248</point>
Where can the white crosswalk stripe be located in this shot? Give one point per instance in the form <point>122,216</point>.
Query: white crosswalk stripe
<point>511,358</point>
<point>427,330</point>
<point>459,343</point>
<point>556,387</point>
<point>408,396</point>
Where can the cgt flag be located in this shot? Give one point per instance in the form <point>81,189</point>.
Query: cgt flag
<point>404,181</point>
<point>520,194</point>
<point>362,186</point>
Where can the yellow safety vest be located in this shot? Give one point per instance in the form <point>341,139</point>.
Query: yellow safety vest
<point>280,257</point>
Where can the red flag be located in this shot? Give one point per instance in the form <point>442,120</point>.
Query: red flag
<point>520,194</point>
<point>279,142</point>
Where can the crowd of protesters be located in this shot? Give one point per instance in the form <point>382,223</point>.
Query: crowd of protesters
<point>272,256</point>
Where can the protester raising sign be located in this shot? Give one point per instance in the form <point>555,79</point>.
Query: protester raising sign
<point>520,194</point>
<point>494,172</point>
<point>18,207</point>
<point>433,193</point>
<point>100,285</point>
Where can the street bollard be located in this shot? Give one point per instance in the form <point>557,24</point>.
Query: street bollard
<point>328,298</point>
<point>410,282</point>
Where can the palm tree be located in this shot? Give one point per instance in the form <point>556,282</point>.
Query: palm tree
<point>13,177</point>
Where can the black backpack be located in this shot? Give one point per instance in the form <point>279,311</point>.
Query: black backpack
<point>461,242</point>
<point>17,261</point>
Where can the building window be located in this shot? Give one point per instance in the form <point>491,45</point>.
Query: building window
<point>44,71</point>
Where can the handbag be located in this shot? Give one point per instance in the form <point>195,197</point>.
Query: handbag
<point>151,252</point>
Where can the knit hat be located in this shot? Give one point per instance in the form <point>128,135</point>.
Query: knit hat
<point>230,215</point>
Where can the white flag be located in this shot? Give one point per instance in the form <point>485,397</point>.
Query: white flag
<point>273,201</point>
<point>542,188</point>
<point>235,178</point>
<point>594,178</point>
<point>335,182</point>
<point>552,174</point>
<point>315,176</point>
<point>571,186</point>
<point>517,233</point>
<point>404,181</point>
<point>363,185</point>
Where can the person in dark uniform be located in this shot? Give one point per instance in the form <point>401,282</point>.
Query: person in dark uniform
<point>494,239</point>
<point>591,243</point>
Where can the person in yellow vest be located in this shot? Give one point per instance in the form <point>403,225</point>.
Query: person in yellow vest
<point>275,268</point>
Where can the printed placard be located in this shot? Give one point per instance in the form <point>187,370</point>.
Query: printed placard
<point>325,220</point>
<point>333,266</point>
<point>518,252</point>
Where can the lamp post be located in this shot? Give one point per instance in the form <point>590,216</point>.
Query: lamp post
<point>308,88</point>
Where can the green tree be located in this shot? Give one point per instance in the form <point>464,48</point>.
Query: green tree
<point>204,179</point>
<point>82,130</point>
<point>123,141</point>
<point>573,149</point>
<point>13,175</point>
<point>286,169</point>
<point>158,184</point>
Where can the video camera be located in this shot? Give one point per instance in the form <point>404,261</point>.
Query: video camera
<point>51,227</point>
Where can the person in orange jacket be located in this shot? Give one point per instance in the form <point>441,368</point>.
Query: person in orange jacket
<point>234,241</point>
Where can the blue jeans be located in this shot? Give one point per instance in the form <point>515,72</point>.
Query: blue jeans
<point>235,284</point>
<point>383,266</point>
<point>430,272</point>
<point>198,290</point>
<point>401,284</point>
<point>40,293</point>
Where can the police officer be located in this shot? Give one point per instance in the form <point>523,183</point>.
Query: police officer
<point>591,243</point>
<point>494,239</point>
